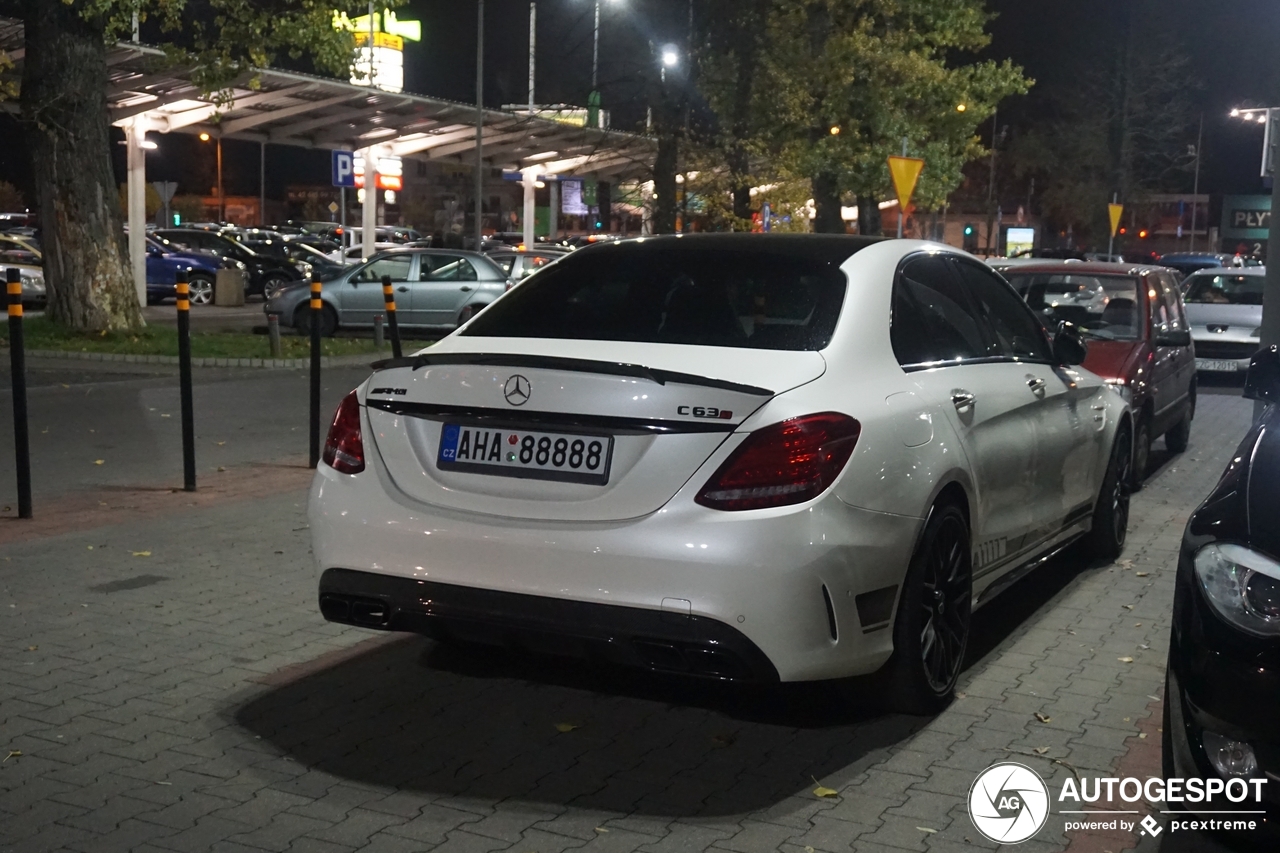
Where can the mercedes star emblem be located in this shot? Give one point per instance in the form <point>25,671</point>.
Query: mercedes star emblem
<point>517,390</point>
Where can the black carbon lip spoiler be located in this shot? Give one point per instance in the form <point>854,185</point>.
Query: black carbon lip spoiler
<point>576,365</point>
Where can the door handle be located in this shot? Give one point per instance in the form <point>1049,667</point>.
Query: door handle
<point>465,288</point>
<point>962,399</point>
<point>403,289</point>
<point>1036,384</point>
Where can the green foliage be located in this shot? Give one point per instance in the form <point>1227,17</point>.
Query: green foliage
<point>11,198</point>
<point>224,40</point>
<point>878,71</point>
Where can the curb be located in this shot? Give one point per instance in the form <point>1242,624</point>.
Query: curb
<point>260,363</point>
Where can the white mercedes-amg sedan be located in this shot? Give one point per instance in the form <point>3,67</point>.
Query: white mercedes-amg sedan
<point>766,458</point>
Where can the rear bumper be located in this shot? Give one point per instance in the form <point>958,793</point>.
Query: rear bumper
<point>812,588</point>
<point>628,636</point>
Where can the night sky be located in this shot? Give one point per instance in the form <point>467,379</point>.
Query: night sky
<point>1233,45</point>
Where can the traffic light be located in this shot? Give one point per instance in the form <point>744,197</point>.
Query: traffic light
<point>1143,234</point>
<point>970,237</point>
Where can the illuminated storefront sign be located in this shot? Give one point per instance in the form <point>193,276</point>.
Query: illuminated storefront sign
<point>384,58</point>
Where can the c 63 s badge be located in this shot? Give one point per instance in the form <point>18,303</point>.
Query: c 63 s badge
<point>395,392</point>
<point>704,412</point>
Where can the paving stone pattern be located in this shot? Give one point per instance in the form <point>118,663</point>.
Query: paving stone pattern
<point>171,687</point>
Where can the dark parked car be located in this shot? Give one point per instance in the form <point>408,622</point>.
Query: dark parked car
<point>165,261</point>
<point>1139,340</point>
<point>1189,262</point>
<point>1222,684</point>
<point>264,275</point>
<point>434,288</point>
<point>307,259</point>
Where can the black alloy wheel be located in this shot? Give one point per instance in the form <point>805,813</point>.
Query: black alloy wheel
<point>931,633</point>
<point>1141,453</point>
<point>1106,539</point>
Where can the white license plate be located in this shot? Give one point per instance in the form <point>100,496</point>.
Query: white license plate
<point>530,454</point>
<point>1212,364</point>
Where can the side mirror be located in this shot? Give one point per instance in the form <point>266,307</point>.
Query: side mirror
<point>1173,338</point>
<point>1262,382</point>
<point>1068,346</point>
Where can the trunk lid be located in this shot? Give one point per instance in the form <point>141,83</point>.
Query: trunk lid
<point>657,410</point>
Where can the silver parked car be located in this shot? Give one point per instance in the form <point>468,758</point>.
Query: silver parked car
<point>1224,310</point>
<point>434,289</point>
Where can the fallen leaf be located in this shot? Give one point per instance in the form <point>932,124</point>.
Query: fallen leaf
<point>1125,659</point>
<point>927,829</point>
<point>822,791</point>
<point>601,829</point>
<point>1143,646</point>
<point>89,547</point>
<point>1127,606</point>
<point>1143,574</point>
<point>32,648</point>
<point>99,461</point>
<point>1040,750</point>
<point>960,694</point>
<point>221,469</point>
<point>164,415</point>
<point>142,553</point>
<point>13,753</point>
<point>1137,624</point>
<point>1142,735</point>
<point>164,783</point>
<point>565,728</point>
<point>1153,698</point>
<point>1044,718</point>
<point>808,849</point>
<point>219,443</point>
<point>1126,719</point>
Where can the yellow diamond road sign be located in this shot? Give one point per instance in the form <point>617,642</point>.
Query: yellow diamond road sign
<point>1116,210</point>
<point>905,171</point>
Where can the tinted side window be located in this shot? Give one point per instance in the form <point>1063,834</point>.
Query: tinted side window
<point>1018,332</point>
<point>1173,302</point>
<point>932,319</point>
<point>446,268</point>
<point>396,266</point>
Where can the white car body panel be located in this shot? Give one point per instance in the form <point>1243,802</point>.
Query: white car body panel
<point>643,542</point>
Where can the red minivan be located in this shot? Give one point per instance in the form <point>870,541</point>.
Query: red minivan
<point>1139,340</point>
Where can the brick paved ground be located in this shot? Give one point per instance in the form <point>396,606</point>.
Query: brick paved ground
<point>171,687</point>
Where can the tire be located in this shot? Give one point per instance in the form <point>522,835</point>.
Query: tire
<point>931,632</point>
<point>200,290</point>
<point>302,320</point>
<point>272,286</point>
<point>1106,539</point>
<point>1177,438</point>
<point>1141,453</point>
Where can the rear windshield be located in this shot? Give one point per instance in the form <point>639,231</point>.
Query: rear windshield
<point>1225,290</point>
<point>739,297</point>
<point>1105,306</point>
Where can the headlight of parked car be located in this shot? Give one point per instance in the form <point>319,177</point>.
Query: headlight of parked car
<point>305,268</point>
<point>1242,585</point>
<point>1122,388</point>
<point>33,282</point>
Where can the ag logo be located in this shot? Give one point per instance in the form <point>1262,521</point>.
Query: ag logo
<point>517,390</point>
<point>1008,803</point>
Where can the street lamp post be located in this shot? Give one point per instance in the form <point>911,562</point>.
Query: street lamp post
<point>222,205</point>
<point>479,176</point>
<point>1270,116</point>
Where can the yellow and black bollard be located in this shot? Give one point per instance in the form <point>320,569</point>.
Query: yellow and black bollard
<point>184,383</point>
<point>317,312</point>
<point>394,325</point>
<point>18,365</point>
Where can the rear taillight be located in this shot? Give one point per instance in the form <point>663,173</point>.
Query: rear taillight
<point>782,464</point>
<point>343,450</point>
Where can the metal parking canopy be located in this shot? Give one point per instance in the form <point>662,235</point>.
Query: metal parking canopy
<point>146,93</point>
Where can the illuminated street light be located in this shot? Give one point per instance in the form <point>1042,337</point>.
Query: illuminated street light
<point>961,108</point>
<point>204,137</point>
<point>670,56</point>
<point>835,130</point>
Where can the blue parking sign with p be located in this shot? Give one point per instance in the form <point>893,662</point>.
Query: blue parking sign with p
<point>344,169</point>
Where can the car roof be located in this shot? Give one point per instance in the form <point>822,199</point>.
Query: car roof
<point>834,248</point>
<point>1087,268</point>
<point>1257,271</point>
